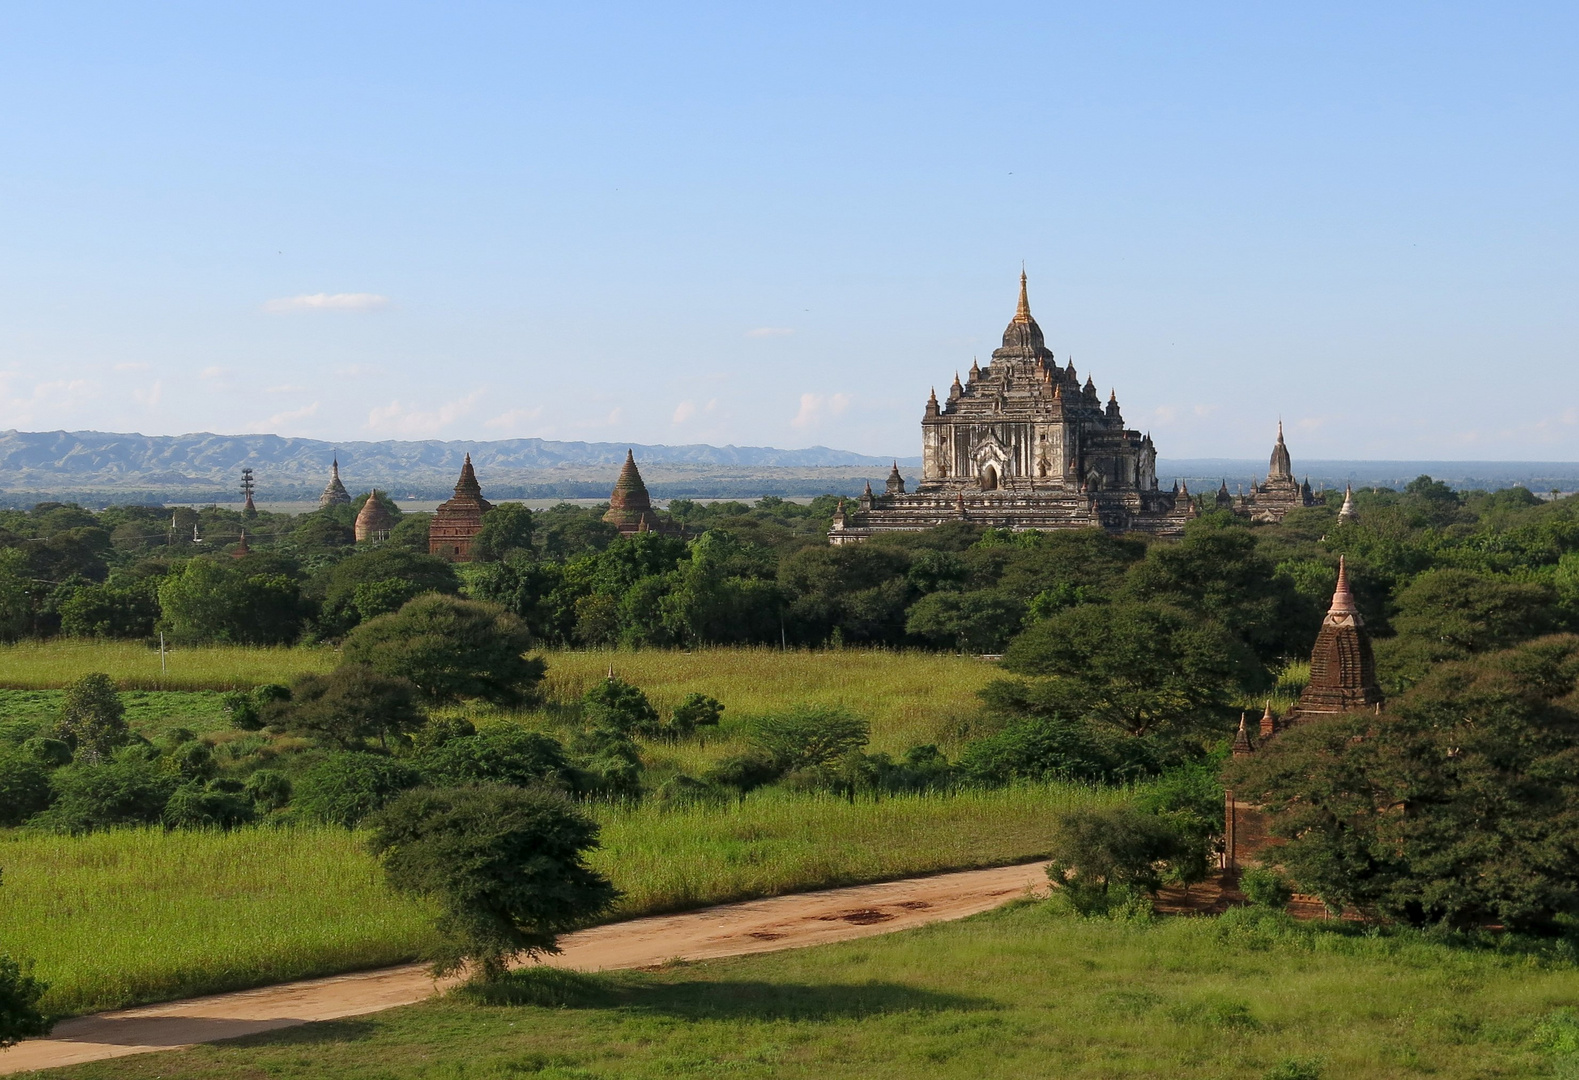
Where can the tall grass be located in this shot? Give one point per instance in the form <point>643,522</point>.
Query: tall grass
<point>133,916</point>
<point>909,697</point>
<point>47,665</point>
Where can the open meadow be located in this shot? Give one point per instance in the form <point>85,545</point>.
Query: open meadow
<point>1025,991</point>
<point>140,915</point>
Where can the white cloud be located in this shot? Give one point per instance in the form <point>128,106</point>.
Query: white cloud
<point>135,365</point>
<point>770,331</point>
<point>514,419</point>
<point>340,301</point>
<point>285,388</point>
<point>149,397</point>
<point>282,423</point>
<point>815,408</point>
<point>357,371</point>
<point>54,399</point>
<point>402,420</point>
<point>214,371</point>
<point>684,411</point>
<point>616,415</point>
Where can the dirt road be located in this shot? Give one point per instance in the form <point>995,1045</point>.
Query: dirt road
<point>783,922</point>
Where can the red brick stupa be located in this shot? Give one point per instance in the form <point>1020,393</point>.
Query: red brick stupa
<point>630,509</point>
<point>456,522</point>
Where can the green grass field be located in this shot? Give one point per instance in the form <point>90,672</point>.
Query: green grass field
<point>1021,992</point>
<point>144,915</point>
<point>50,665</point>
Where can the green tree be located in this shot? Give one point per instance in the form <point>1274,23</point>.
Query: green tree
<point>130,789</point>
<point>24,785</point>
<point>615,705</point>
<point>1459,804</point>
<point>1461,612</point>
<point>1143,669</point>
<point>505,866</point>
<point>974,622</point>
<point>808,736</point>
<point>376,582</point>
<point>696,711</point>
<point>347,707</point>
<point>451,649</point>
<point>16,594</point>
<point>207,601</point>
<point>346,787</point>
<point>1216,572</point>
<point>502,754</point>
<point>92,718</point>
<point>1095,852</point>
<point>411,533</point>
<point>114,609</point>
<point>507,529</point>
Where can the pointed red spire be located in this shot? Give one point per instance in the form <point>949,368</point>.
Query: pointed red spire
<point>1342,598</point>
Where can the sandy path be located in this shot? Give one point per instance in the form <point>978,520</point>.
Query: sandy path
<point>783,922</point>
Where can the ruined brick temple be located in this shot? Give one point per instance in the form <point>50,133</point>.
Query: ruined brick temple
<point>1270,499</point>
<point>1342,679</point>
<point>1023,445</point>
<point>630,507</point>
<point>457,521</point>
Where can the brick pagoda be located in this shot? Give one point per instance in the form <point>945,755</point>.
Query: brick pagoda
<point>457,521</point>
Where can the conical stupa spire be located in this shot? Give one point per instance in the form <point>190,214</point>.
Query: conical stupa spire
<point>467,484</point>
<point>1242,744</point>
<point>1347,513</point>
<point>1022,311</point>
<point>1342,598</point>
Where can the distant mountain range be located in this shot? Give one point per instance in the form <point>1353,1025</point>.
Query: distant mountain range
<point>102,467</point>
<point>201,467</point>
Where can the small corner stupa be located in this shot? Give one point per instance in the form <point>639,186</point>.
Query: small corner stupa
<point>456,522</point>
<point>334,492</point>
<point>630,508</point>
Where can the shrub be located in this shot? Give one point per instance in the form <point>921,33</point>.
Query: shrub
<point>24,785</point>
<point>504,865</point>
<point>245,707</point>
<point>615,705</point>
<point>346,787</point>
<point>1265,887</point>
<point>451,649</point>
<point>610,763</point>
<point>197,806</point>
<point>696,711</point>
<point>92,718</point>
<point>48,752</point>
<point>191,761</point>
<point>505,754</point>
<point>743,772</point>
<point>808,736</point>
<point>130,789</point>
<point>440,730</point>
<point>1094,850</point>
<point>268,790</point>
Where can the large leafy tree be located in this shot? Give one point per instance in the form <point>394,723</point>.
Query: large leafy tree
<point>507,529</point>
<point>347,707</point>
<point>1217,572</point>
<point>1459,804</point>
<point>1143,669</point>
<point>450,649</point>
<point>376,582</point>
<point>505,867</point>
<point>246,602</point>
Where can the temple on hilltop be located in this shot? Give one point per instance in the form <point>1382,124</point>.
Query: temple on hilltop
<point>1022,444</point>
<point>630,508</point>
<point>456,522</point>
<point>1342,679</point>
<point>334,492</point>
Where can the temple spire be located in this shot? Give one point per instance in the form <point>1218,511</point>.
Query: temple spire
<point>1342,598</point>
<point>1022,313</point>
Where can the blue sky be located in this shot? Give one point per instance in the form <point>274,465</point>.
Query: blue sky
<point>782,224</point>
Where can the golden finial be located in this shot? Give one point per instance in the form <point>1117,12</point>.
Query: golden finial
<point>1022,313</point>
